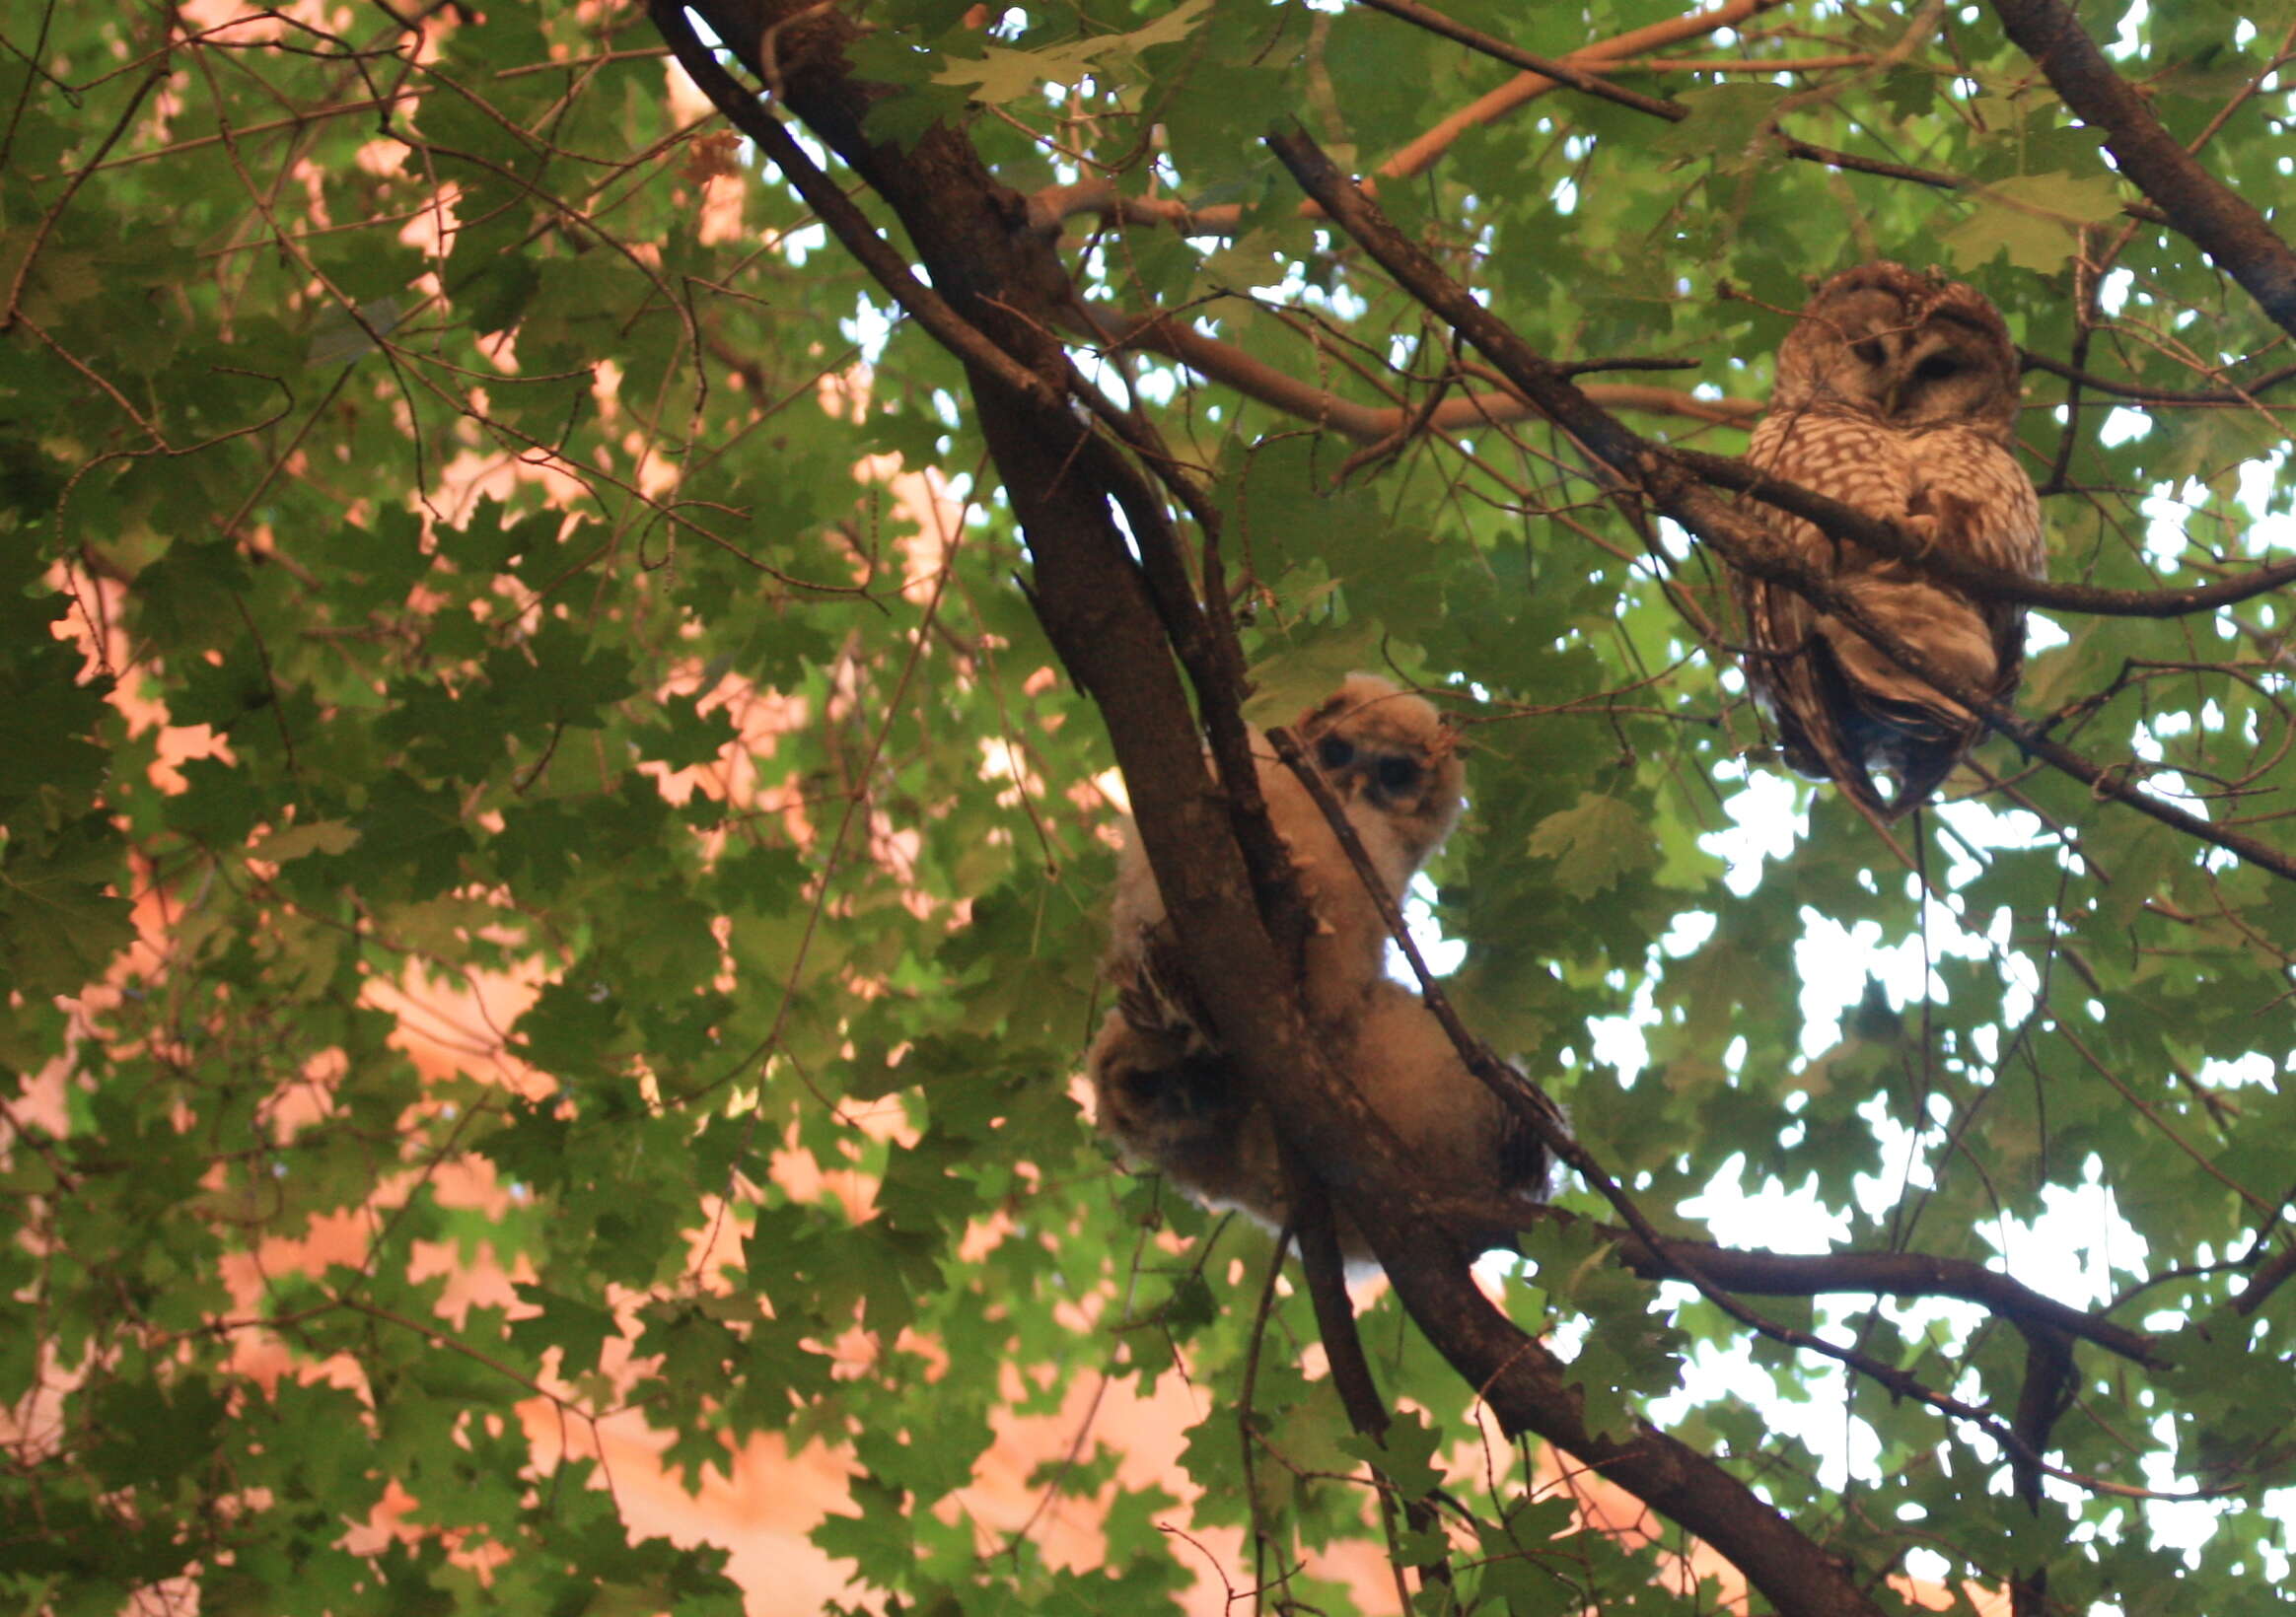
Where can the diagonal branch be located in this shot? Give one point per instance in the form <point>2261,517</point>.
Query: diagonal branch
<point>1174,336</point>
<point>1097,194</point>
<point>1576,77</point>
<point>1685,1259</point>
<point>1885,538</point>
<point>2198,204</point>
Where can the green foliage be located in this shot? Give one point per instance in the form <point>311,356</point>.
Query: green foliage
<point>484,785</point>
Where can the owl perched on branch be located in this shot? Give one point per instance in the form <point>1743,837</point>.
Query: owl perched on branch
<point>1394,768</point>
<point>1896,394</point>
<point>1186,1114</point>
<point>1166,1092</point>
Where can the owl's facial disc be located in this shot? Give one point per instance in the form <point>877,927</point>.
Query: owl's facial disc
<point>1391,781</point>
<point>1940,376</point>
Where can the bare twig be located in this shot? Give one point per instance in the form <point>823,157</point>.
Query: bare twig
<point>1567,72</point>
<point>1173,335</point>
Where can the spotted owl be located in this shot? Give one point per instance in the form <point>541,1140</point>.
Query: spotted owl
<point>1896,394</point>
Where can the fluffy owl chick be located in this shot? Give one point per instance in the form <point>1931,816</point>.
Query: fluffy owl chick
<point>1896,394</point>
<point>1394,769</point>
<point>1181,1112</point>
<point>1174,1106</point>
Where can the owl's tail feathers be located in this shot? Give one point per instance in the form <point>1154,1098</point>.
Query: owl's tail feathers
<point>1895,725</point>
<point>1810,698</point>
<point>1920,754</point>
<point>1528,1166</point>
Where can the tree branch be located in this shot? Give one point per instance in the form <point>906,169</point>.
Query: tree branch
<point>1565,72</point>
<point>1665,478</point>
<point>1100,197</point>
<point>1535,1112</point>
<point>1175,337</point>
<point>2048,1370</point>
<point>2198,204</point>
<point>1843,521</point>
<point>1880,1274</point>
<point>2238,395</point>
<point>1525,87</point>
<point>1326,1270</point>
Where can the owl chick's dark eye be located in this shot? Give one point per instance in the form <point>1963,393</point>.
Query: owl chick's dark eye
<point>1399,774</point>
<point>1937,367</point>
<point>1334,752</point>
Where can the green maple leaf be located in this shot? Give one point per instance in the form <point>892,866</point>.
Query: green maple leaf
<point>1594,844</point>
<point>2034,219</point>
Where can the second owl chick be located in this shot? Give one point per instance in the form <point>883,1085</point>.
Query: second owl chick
<point>1181,1112</point>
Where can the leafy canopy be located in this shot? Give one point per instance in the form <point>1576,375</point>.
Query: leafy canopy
<point>497,763</point>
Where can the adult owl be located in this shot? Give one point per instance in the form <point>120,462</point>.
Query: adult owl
<point>1896,394</point>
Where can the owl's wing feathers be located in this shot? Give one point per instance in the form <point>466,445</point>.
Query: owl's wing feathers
<point>1979,506</point>
<point>1794,667</point>
<point>1459,1136</point>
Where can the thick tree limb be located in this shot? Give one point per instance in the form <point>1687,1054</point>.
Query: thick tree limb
<point>1000,278</point>
<point>1669,483</point>
<point>1520,1378</point>
<point>2198,204</point>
